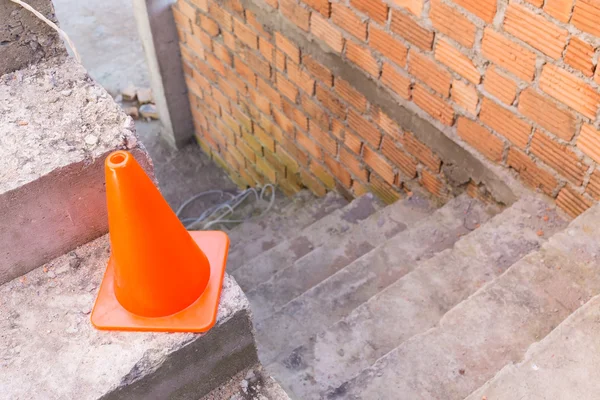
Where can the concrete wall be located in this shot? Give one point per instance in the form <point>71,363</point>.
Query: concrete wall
<point>369,95</point>
<point>24,39</point>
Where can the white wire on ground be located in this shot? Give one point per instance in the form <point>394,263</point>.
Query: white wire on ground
<point>218,213</point>
<point>52,25</point>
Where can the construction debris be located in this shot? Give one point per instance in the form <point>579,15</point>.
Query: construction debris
<point>144,95</point>
<point>129,93</point>
<point>149,111</point>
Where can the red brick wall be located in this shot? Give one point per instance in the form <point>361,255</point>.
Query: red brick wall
<point>515,81</point>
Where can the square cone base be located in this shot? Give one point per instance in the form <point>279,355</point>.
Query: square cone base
<point>200,316</point>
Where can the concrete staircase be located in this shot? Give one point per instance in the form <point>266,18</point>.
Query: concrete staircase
<point>411,301</point>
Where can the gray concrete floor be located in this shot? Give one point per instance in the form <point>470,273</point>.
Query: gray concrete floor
<point>105,35</point>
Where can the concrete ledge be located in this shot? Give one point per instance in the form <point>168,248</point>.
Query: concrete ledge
<point>51,351</point>
<point>251,383</point>
<point>58,125</point>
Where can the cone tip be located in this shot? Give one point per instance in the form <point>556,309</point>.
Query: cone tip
<point>118,159</point>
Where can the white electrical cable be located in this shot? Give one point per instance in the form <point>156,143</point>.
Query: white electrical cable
<point>218,214</point>
<point>51,25</point>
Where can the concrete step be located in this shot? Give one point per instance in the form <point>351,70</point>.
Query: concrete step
<point>255,237</point>
<point>49,349</point>
<point>335,253</point>
<point>58,126</point>
<point>495,326</point>
<point>340,221</point>
<point>565,365</point>
<point>419,299</point>
<point>342,292</point>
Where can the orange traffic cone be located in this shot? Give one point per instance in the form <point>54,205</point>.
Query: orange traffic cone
<point>159,277</point>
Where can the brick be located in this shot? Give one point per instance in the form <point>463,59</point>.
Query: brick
<point>295,115</point>
<point>535,30</point>
<point>272,94</point>
<point>365,129</point>
<point>397,82</point>
<point>298,15</point>
<point>452,23</point>
<point>196,47</point>
<point>353,165</point>
<point>284,122</point>
<point>245,34</point>
<point>318,70</point>
<point>275,162</point>
<point>389,47</point>
<point>383,190</point>
<point>339,171</point>
<point>432,183</point>
<point>258,27</point>
<point>182,20</point>
<point>263,103</point>
<point>298,154</point>
<point>221,99</point>
<point>209,25</point>
<point>315,112</point>
<point>386,123</point>
<point>589,142</point>
<point>309,144</point>
<point>505,122</point>
<point>242,119</point>
<point>222,53</point>
<point>572,202</point>
<point>376,9</point>
<point>271,128</point>
<point>280,60</point>
<point>287,160</point>
<point>559,9</point>
<point>229,41</point>
<point>321,28</point>
<point>421,152</point>
<point>258,64</point>
<point>430,72</point>
<point>484,9</point>
<point>337,129</point>
<point>433,105</point>
<point>351,95</point>
<point>531,173</point>
<point>414,6</point>
<point>331,102</point>
<point>409,29</point>
<point>216,64</point>
<point>312,184</point>
<point>227,89</point>
<point>353,142</point>
<point>301,78</point>
<point>465,96</point>
<point>235,6</point>
<point>480,138</point>
<point>547,114</point>
<point>264,138</point>
<point>323,138</point>
<point>188,10</point>
<point>570,90</point>
<point>322,6</point>
<point>559,157</point>
<point>537,3</point>
<point>593,187</point>
<point>289,48</point>
<point>267,50</point>
<point>406,164</point>
<point>346,19</point>
<point>456,61</point>
<point>586,15</point>
<point>223,18</point>
<point>379,165</point>
<point>272,3</point>
<point>231,123</point>
<point>507,54</point>
<point>322,175</point>
<point>579,55</point>
<point>499,85</point>
<point>266,169</point>
<point>244,71</point>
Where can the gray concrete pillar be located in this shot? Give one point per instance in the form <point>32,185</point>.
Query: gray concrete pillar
<point>158,34</point>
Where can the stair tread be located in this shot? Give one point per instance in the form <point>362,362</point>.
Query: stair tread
<point>494,326</point>
<point>265,265</point>
<point>335,253</point>
<point>565,365</point>
<point>348,288</point>
<point>262,235</point>
<point>419,299</point>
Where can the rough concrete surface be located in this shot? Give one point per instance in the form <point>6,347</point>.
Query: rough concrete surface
<point>495,326</point>
<point>24,39</point>
<point>250,384</point>
<point>105,34</point>
<point>565,365</point>
<point>57,127</point>
<point>51,351</point>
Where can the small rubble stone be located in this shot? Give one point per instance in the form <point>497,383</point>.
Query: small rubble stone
<point>129,93</point>
<point>132,111</point>
<point>144,95</point>
<point>149,111</point>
